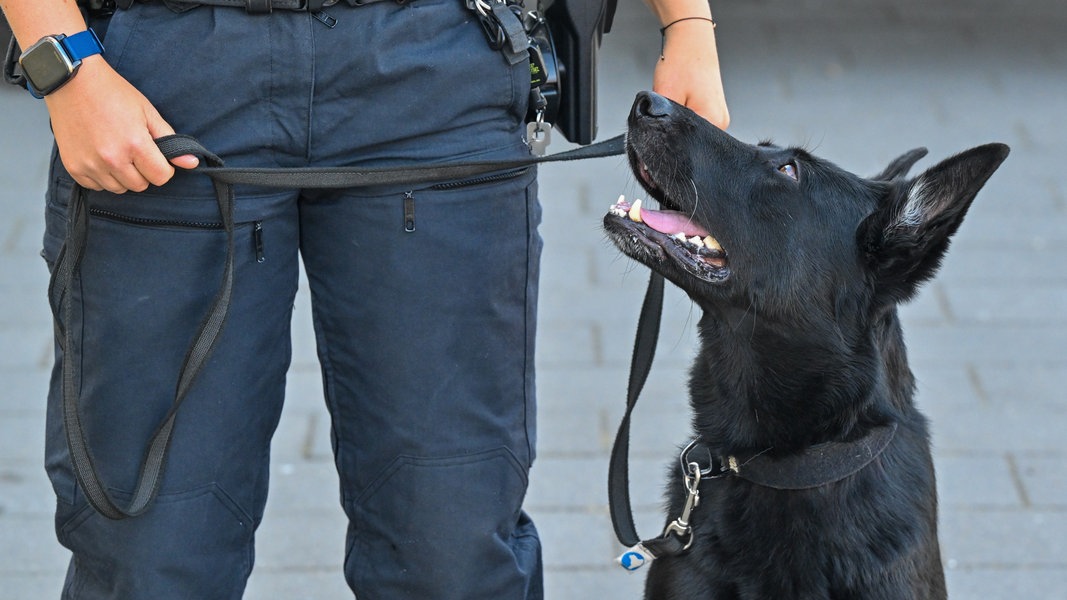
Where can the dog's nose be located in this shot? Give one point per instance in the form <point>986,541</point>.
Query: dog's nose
<point>651,104</point>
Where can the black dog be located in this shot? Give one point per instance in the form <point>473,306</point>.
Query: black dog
<point>801,390</point>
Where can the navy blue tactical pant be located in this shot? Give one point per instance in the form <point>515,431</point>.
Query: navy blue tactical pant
<point>424,304</point>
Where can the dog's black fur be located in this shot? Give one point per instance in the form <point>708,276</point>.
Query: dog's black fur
<point>800,344</point>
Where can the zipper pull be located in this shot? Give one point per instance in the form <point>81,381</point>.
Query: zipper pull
<point>257,241</point>
<point>409,212</point>
<point>324,18</point>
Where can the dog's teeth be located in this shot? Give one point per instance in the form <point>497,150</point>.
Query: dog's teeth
<point>696,241</point>
<point>712,243</point>
<point>635,211</point>
<point>680,237</point>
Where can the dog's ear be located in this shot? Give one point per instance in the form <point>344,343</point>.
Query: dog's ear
<point>906,237</point>
<point>901,165</point>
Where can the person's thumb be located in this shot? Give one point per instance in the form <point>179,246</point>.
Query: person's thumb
<point>158,128</point>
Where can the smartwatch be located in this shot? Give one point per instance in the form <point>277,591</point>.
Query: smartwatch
<point>52,61</point>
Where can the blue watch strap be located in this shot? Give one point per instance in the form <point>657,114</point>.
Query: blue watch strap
<point>81,45</point>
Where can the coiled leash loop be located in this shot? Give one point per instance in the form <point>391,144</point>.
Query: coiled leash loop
<point>67,269</point>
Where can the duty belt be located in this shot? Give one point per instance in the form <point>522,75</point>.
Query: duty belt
<point>263,7</point>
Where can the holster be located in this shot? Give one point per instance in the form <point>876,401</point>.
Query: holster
<point>577,27</point>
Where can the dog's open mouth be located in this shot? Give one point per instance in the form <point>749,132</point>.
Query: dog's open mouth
<point>669,233</point>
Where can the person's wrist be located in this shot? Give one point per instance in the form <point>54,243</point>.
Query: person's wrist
<point>667,12</point>
<point>692,34</point>
<point>54,60</point>
<point>687,20</point>
<point>84,79</point>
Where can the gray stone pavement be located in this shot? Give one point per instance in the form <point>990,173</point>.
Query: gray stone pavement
<point>859,82</point>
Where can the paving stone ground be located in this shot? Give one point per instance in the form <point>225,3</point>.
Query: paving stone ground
<point>858,82</point>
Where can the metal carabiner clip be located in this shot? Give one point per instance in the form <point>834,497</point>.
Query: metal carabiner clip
<point>681,526</point>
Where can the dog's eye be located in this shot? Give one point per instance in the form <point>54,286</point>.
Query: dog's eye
<point>790,169</point>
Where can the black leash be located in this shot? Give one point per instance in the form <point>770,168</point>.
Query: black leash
<point>60,298</point>
<point>640,364</point>
<point>68,266</point>
<point>677,536</point>
<point>356,177</point>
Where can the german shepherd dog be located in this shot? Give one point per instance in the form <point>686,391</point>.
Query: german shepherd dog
<point>798,267</point>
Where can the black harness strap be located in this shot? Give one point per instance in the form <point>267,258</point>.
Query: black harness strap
<point>68,266</point>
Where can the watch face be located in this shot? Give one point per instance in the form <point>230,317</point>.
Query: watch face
<point>46,65</point>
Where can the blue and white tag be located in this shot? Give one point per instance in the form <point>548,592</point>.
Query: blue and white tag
<point>635,558</point>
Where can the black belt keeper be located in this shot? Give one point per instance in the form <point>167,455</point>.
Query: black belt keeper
<point>258,7</point>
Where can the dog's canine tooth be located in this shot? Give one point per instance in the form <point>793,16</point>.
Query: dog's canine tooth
<point>635,211</point>
<point>712,243</point>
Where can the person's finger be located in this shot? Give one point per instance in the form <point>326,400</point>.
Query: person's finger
<point>150,161</point>
<point>158,127</point>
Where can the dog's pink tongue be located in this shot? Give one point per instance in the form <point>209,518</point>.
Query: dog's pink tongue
<point>672,222</point>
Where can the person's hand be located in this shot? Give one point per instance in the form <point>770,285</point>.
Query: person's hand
<point>688,71</point>
<point>104,129</point>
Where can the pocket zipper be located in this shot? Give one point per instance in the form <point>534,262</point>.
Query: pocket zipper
<point>257,226</point>
<point>451,185</point>
<point>409,197</point>
<point>113,216</point>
